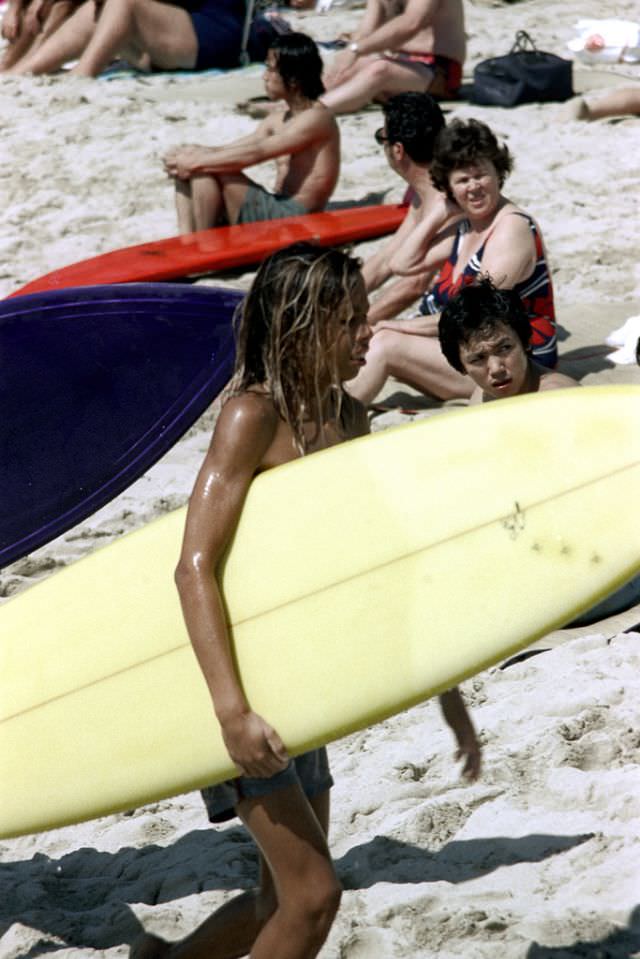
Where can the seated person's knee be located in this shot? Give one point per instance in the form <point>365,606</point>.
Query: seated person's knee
<point>378,72</point>
<point>383,346</point>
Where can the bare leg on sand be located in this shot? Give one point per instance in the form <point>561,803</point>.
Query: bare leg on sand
<point>617,103</point>
<point>206,201</point>
<point>415,360</point>
<point>290,916</point>
<point>133,29</point>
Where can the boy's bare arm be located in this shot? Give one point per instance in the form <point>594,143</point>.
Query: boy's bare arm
<point>303,131</point>
<point>243,433</point>
<point>456,714</point>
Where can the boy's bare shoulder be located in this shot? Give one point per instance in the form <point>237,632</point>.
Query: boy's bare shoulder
<point>553,380</point>
<point>316,117</point>
<point>248,417</point>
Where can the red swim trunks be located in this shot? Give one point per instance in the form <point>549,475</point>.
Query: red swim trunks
<point>443,75</point>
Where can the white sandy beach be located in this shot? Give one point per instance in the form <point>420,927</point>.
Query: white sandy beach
<point>540,859</point>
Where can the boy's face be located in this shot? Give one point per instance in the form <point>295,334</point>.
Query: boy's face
<point>274,85</point>
<point>354,335</point>
<point>497,362</point>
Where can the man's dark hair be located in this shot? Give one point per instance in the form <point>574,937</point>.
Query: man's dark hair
<point>299,62</point>
<point>414,120</point>
<point>464,143</point>
<point>476,311</point>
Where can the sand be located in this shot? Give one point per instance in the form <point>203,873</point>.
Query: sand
<point>537,860</point>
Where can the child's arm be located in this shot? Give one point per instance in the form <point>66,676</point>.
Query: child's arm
<point>243,433</point>
<point>456,714</point>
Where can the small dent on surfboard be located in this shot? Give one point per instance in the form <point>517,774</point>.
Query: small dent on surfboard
<point>515,522</point>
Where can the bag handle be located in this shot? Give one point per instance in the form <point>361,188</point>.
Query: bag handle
<point>523,43</point>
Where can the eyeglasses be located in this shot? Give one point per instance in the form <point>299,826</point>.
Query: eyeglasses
<point>380,137</point>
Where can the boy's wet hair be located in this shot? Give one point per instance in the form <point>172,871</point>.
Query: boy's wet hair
<point>299,63</point>
<point>464,143</point>
<point>476,311</point>
<point>287,329</point>
<point>414,120</point>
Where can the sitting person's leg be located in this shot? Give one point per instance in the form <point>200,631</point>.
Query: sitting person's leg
<point>207,206</point>
<point>378,78</point>
<point>131,28</point>
<point>615,103</point>
<point>415,360</point>
<point>206,201</point>
<point>63,44</point>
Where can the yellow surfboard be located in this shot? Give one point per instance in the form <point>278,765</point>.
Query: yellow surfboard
<point>361,580</point>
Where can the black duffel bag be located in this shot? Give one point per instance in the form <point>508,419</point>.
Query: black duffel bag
<point>524,75</point>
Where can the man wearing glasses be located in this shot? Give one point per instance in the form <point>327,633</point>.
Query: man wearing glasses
<point>411,124</point>
<point>400,46</point>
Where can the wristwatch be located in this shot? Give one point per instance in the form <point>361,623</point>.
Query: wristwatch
<point>354,48</point>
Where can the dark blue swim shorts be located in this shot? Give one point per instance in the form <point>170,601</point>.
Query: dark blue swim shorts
<point>310,771</point>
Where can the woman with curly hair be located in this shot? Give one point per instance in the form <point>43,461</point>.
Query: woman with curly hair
<point>491,237</point>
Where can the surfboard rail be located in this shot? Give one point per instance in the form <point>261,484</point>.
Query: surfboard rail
<point>221,248</point>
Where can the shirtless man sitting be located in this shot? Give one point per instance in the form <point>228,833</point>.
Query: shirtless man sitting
<point>412,122</point>
<point>400,46</point>
<point>304,140</point>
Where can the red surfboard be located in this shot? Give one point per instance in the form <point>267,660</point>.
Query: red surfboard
<point>222,248</point>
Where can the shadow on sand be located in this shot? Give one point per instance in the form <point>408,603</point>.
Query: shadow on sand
<point>82,899</point>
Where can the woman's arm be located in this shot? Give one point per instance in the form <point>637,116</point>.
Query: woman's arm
<point>510,252</point>
<point>243,434</point>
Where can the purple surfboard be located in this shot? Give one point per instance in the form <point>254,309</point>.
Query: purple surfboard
<point>96,384</point>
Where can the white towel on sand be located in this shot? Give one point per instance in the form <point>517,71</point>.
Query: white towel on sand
<point>625,338</point>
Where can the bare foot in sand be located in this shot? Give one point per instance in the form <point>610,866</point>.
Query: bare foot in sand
<point>150,947</point>
<point>575,109</point>
<point>622,102</point>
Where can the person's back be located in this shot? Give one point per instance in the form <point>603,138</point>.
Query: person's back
<point>310,175</point>
<point>412,122</point>
<point>400,46</point>
<point>444,34</point>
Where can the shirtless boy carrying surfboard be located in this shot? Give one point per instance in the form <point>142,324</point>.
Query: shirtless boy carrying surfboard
<point>302,333</point>
<point>303,140</point>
